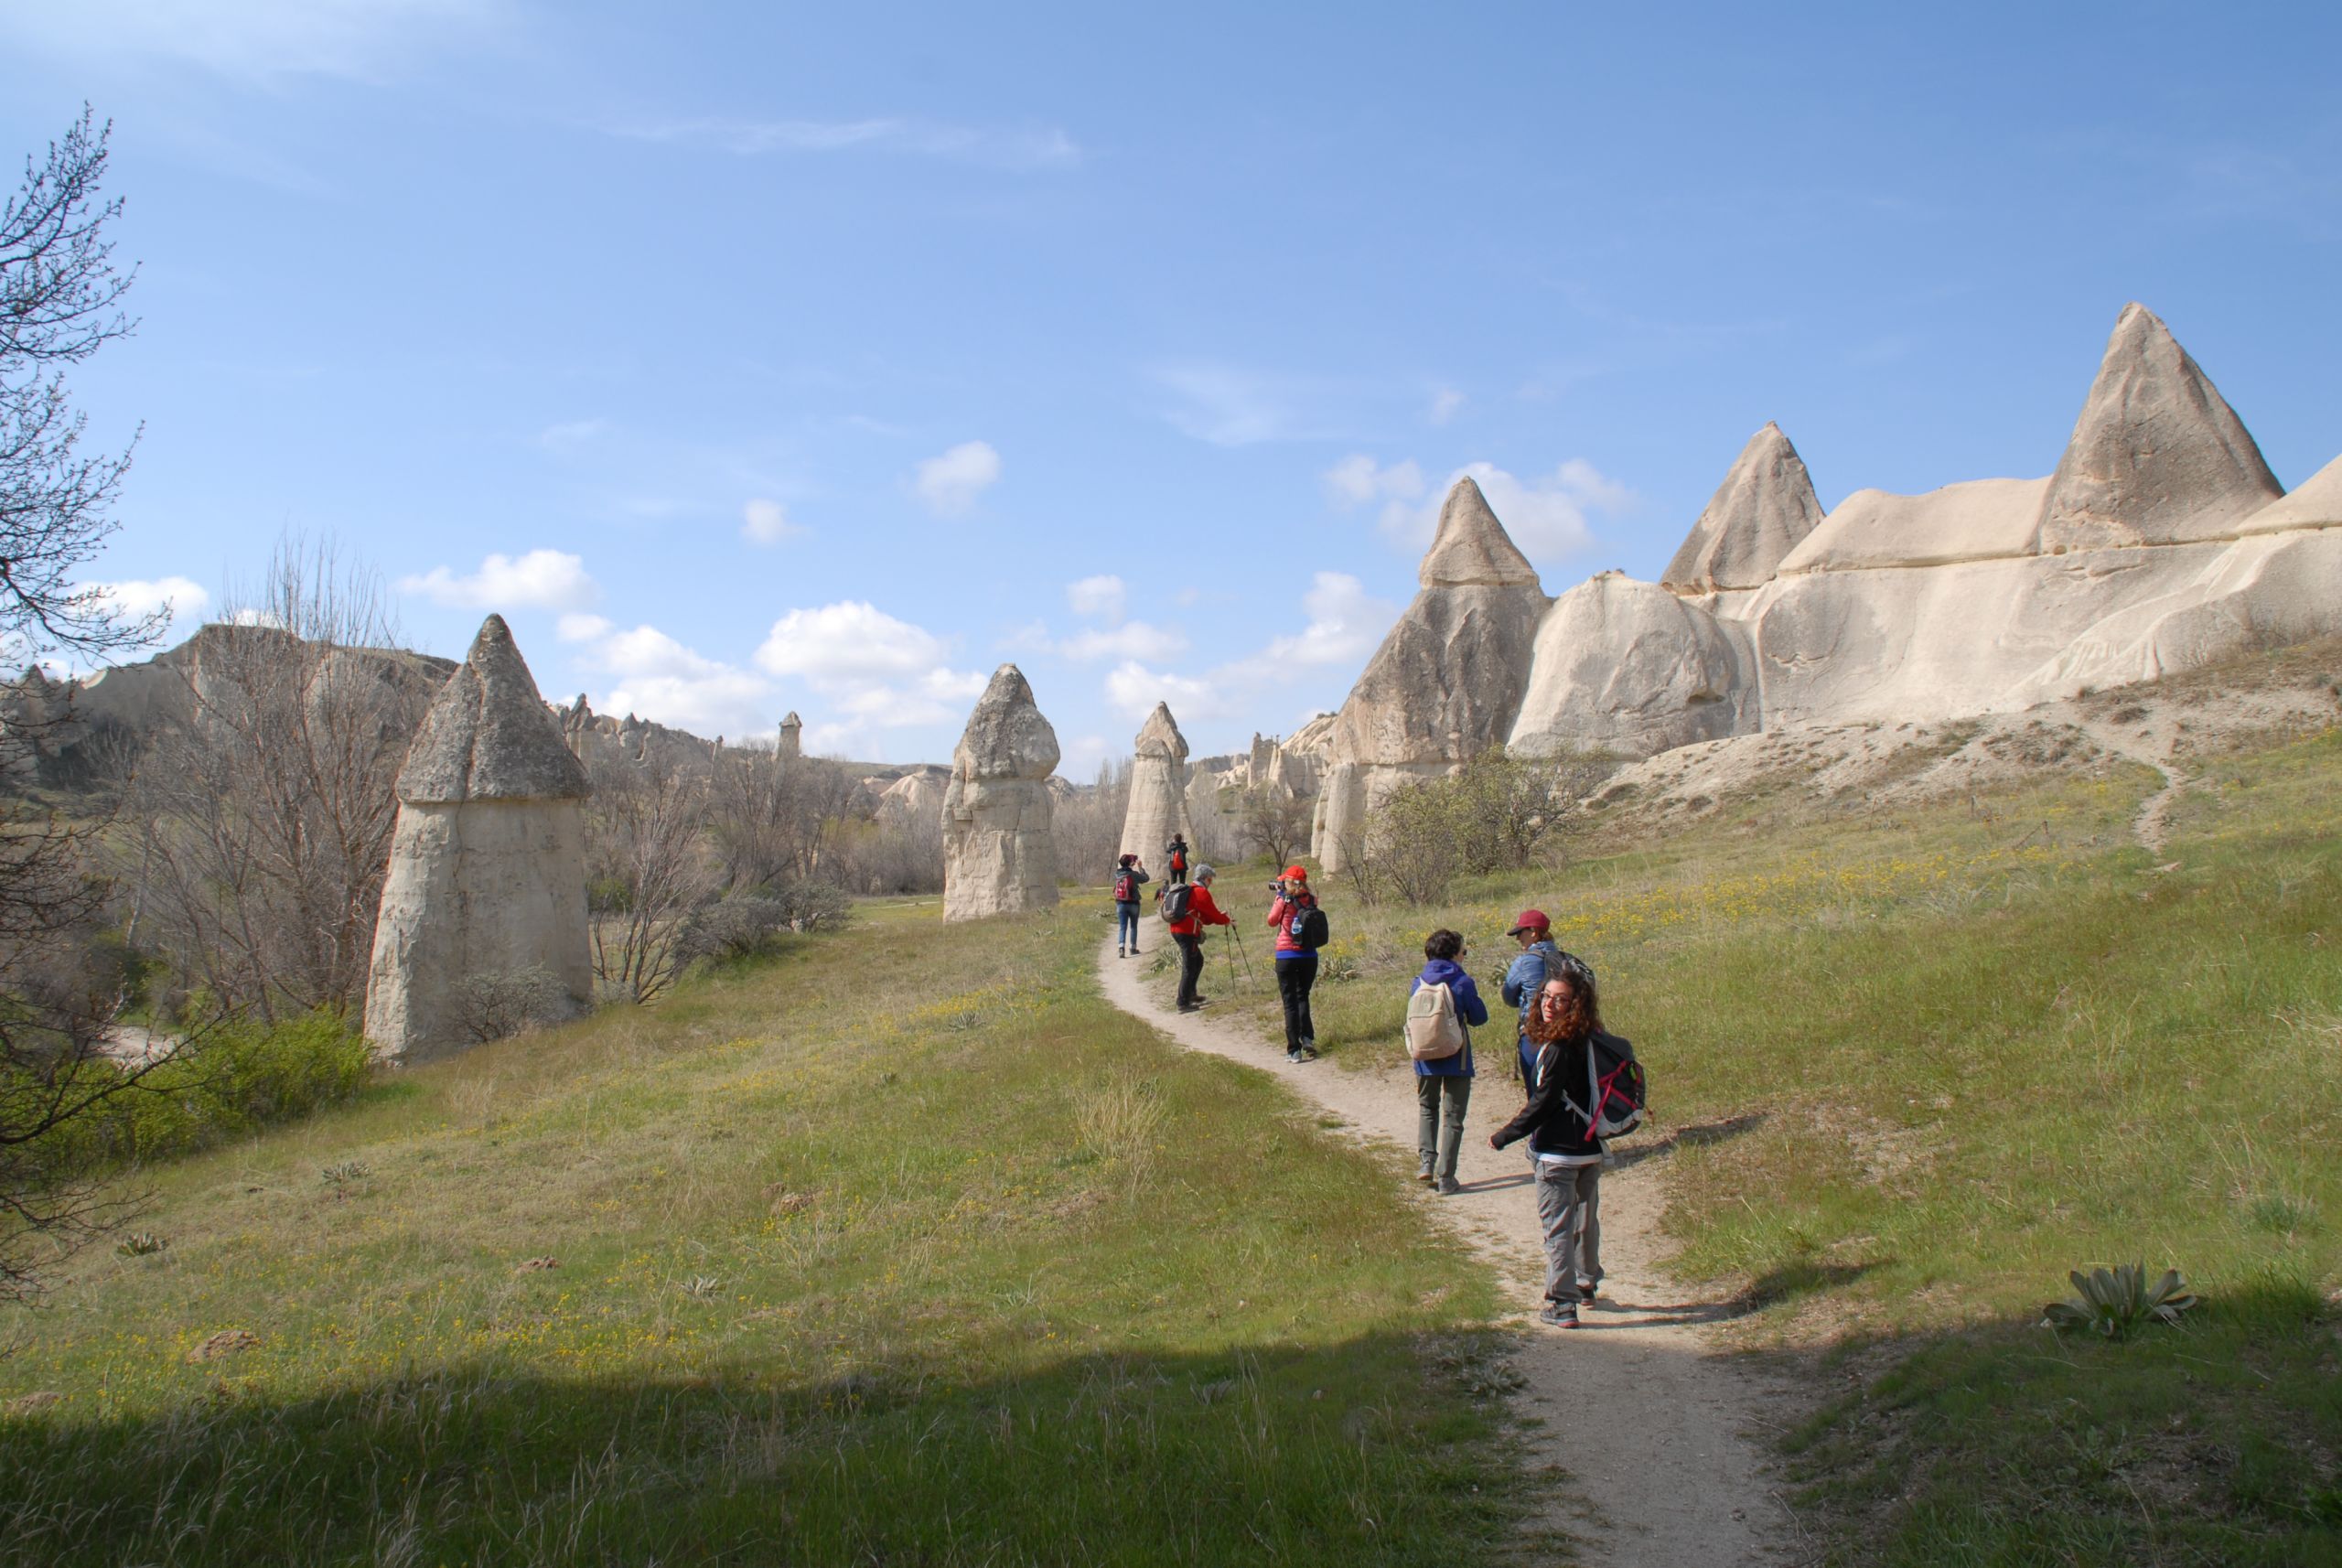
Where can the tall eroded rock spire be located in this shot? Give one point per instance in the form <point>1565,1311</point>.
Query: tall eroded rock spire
<point>1764,508</point>
<point>2158,457</point>
<point>999,857</point>
<point>1471,548</point>
<point>484,906</point>
<point>1158,804</point>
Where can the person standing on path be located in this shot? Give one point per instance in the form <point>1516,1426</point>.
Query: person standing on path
<point>1129,878</point>
<point>1296,964</point>
<point>1175,855</point>
<point>1522,982</point>
<point>1189,932</point>
<point>1443,1084</point>
<point>1566,1154</point>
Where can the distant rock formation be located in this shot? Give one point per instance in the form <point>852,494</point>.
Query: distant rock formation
<point>1447,681</point>
<point>792,732</point>
<point>1764,509</point>
<point>1628,667</point>
<point>1158,798</point>
<point>998,856</point>
<point>2162,542</point>
<point>2158,457</point>
<point>486,880</point>
<point>916,797</point>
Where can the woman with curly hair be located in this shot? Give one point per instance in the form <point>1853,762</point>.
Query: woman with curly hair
<point>1563,1025</point>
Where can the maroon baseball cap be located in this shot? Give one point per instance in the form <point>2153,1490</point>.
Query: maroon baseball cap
<point>1531,920</point>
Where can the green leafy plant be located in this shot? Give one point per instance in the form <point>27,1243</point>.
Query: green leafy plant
<point>140,1244</point>
<point>2118,1302</point>
<point>343,1173</point>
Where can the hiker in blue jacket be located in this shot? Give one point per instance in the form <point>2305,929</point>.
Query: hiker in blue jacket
<point>1522,982</point>
<point>1443,1084</point>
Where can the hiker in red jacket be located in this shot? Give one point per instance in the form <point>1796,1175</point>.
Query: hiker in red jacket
<point>1189,932</point>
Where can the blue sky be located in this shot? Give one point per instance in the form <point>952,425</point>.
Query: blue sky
<point>753,357</point>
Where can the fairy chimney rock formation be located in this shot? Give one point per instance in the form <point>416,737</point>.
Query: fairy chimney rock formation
<point>1448,681</point>
<point>792,731</point>
<point>2158,457</point>
<point>1158,805</point>
<point>1471,548</point>
<point>998,856</point>
<point>487,883</point>
<point>1764,509</point>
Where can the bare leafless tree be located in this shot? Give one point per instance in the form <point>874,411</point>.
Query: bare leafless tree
<point>1274,821</point>
<point>260,823</point>
<point>1087,825</point>
<point>775,818</point>
<point>648,866</point>
<point>59,303</point>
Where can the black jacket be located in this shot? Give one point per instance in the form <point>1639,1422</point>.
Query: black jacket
<point>1551,1124</point>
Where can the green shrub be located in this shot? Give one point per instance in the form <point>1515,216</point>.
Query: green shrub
<point>229,1079</point>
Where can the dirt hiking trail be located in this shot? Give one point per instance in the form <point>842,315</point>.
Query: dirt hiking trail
<point>1653,1429</point>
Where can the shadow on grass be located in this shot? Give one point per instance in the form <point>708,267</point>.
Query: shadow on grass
<point>1697,1133</point>
<point>1371,1451</point>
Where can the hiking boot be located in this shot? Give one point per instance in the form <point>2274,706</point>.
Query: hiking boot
<point>1558,1314</point>
<point>1449,1187</point>
<point>1308,1052</point>
<point>1426,1176</point>
<point>1585,1289</point>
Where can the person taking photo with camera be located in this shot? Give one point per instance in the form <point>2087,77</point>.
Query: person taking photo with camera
<point>1295,918</point>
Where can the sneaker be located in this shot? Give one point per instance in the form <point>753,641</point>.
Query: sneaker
<point>1308,1052</point>
<point>1449,1187</point>
<point>1585,1289</point>
<point>1557,1316</point>
<point>1119,954</point>
<point>1295,1055</point>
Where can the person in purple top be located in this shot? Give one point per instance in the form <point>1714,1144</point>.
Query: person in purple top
<point>1443,1084</point>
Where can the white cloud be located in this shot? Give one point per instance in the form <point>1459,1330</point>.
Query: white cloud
<point>949,484</point>
<point>182,599</point>
<point>1043,147</point>
<point>1228,405</point>
<point>1346,624</point>
<point>1131,640</point>
<point>1359,480</point>
<point>1134,689</point>
<point>1100,598</point>
<point>542,579</point>
<point>662,680</point>
<point>1445,402</point>
<point>577,626</point>
<point>766,522</point>
<point>1546,515</point>
<point>258,38</point>
<point>881,672</point>
<point>852,640</point>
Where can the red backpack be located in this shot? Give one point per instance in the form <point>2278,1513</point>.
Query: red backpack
<point>1125,888</point>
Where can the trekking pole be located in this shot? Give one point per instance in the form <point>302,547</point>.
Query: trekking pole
<point>1243,953</point>
<point>1227,952</point>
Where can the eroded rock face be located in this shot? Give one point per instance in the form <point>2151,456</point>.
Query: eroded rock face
<point>487,879</point>
<point>1628,667</point>
<point>1448,681</point>
<point>2158,457</point>
<point>1763,511</point>
<point>998,856</point>
<point>1158,802</point>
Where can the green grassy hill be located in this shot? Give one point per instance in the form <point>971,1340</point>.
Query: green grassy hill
<point>902,1247</point>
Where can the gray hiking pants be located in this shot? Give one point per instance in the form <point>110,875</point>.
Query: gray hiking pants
<point>1569,1201</point>
<point>1441,1099</point>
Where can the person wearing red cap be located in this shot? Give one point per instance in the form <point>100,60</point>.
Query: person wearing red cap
<point>1296,963</point>
<point>1539,959</point>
